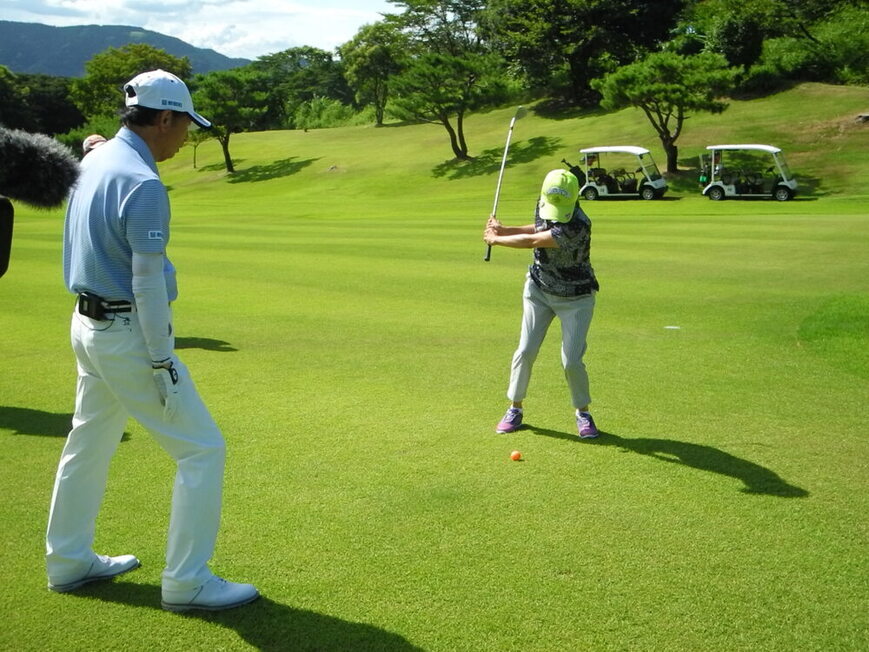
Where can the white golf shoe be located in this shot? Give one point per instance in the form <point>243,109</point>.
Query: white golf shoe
<point>102,568</point>
<point>215,595</point>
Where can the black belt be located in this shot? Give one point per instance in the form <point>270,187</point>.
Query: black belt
<point>95,307</point>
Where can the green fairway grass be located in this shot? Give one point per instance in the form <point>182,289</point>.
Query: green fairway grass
<point>340,323</point>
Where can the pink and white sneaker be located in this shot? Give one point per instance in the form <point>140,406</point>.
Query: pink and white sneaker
<point>585,426</point>
<point>511,422</point>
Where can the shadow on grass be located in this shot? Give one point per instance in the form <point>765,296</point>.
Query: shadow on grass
<point>205,343</point>
<point>489,161</point>
<point>217,167</point>
<point>27,421</point>
<point>283,168</point>
<point>264,624</point>
<point>757,479</point>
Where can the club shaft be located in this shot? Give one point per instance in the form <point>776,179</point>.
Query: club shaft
<point>501,175</point>
<point>503,165</point>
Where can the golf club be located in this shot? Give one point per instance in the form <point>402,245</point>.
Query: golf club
<point>520,113</point>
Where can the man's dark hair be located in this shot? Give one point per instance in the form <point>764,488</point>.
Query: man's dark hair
<point>141,116</point>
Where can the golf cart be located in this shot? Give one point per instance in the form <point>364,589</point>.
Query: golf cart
<point>738,173</point>
<point>636,174</point>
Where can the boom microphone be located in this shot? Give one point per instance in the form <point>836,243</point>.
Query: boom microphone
<point>34,169</point>
<point>6,215</point>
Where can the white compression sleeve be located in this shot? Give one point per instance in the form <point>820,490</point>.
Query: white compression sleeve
<point>152,304</point>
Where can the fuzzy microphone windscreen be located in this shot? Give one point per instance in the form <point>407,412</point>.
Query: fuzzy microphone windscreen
<point>35,169</point>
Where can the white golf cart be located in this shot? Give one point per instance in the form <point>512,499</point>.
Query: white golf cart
<point>737,171</point>
<point>636,174</point>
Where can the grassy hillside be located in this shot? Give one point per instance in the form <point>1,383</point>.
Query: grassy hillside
<point>814,124</point>
<point>341,325</point>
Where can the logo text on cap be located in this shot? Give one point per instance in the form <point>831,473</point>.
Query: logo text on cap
<point>558,191</point>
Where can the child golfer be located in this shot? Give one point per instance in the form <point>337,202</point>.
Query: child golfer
<point>560,283</point>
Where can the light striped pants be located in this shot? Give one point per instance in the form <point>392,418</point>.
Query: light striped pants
<point>539,309</point>
<point>115,382</point>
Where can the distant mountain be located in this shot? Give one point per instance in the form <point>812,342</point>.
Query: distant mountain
<point>63,51</point>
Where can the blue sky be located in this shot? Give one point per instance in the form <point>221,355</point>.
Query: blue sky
<point>236,28</point>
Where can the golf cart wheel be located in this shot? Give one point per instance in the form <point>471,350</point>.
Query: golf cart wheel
<point>783,193</point>
<point>647,192</point>
<point>590,194</point>
<point>716,193</point>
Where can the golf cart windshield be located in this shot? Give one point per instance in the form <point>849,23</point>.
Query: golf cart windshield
<point>649,167</point>
<point>783,166</point>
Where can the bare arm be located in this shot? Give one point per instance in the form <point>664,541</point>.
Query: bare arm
<point>517,237</point>
<point>500,229</point>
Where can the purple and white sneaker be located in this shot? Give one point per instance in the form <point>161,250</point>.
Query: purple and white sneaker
<point>511,422</point>
<point>585,426</point>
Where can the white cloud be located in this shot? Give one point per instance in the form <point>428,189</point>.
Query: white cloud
<point>236,28</point>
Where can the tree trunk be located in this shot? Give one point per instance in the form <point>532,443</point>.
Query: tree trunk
<point>227,159</point>
<point>580,69</point>
<point>454,142</point>
<point>380,93</point>
<point>460,128</point>
<point>672,153</point>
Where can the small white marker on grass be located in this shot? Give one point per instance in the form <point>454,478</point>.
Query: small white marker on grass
<point>673,328</point>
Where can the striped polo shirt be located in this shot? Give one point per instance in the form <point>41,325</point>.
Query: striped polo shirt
<point>118,206</point>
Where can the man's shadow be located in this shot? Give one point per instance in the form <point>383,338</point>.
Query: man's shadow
<point>205,343</point>
<point>264,624</point>
<point>757,479</point>
<point>27,421</point>
<point>39,423</point>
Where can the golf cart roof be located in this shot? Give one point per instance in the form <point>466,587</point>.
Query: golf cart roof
<point>763,148</point>
<point>629,149</point>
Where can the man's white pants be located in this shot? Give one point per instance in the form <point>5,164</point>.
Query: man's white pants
<point>539,309</point>
<point>115,381</point>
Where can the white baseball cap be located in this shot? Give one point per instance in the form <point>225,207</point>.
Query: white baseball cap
<point>158,89</point>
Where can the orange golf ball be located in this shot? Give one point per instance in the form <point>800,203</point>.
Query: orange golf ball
<point>515,456</point>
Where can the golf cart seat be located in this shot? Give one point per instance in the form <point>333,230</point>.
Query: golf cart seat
<point>626,181</point>
<point>628,184</point>
<point>754,180</point>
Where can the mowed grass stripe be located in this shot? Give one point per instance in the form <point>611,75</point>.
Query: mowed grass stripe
<point>354,347</point>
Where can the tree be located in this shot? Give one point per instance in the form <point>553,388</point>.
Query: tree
<point>100,91</point>
<point>738,28</point>
<point>233,101</point>
<point>49,104</point>
<point>14,99</point>
<point>561,45</point>
<point>435,88</point>
<point>448,67</point>
<point>370,59</point>
<point>295,76</point>
<point>667,86</point>
<point>196,137</point>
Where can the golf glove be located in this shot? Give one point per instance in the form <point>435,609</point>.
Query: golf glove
<point>167,381</point>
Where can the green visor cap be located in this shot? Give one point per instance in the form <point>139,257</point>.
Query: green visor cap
<point>558,196</point>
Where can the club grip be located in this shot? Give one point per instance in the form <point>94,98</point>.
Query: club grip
<point>488,253</point>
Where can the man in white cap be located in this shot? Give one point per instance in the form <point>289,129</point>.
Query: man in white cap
<point>114,259</point>
<point>560,283</point>
<point>91,143</point>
